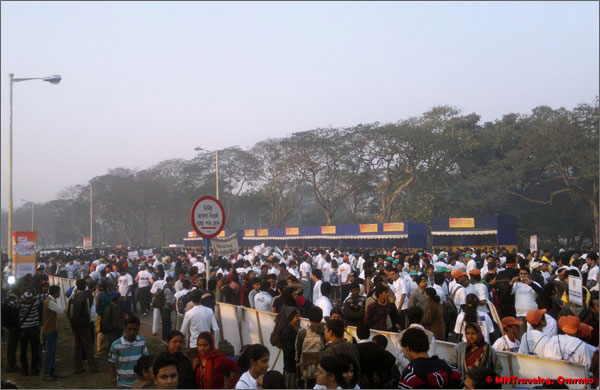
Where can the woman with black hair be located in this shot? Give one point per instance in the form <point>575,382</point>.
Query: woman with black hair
<point>349,374</point>
<point>433,318</point>
<point>474,352</point>
<point>329,373</point>
<point>471,314</point>
<point>253,362</point>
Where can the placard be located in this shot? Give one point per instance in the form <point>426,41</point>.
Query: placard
<point>133,255</point>
<point>87,243</point>
<point>575,290</point>
<point>149,252</point>
<point>533,243</point>
<point>208,217</point>
<point>225,246</point>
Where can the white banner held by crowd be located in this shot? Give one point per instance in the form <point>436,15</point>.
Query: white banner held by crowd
<point>133,255</point>
<point>225,246</point>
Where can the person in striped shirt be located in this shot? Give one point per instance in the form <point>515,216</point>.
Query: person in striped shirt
<point>30,332</point>
<point>124,354</point>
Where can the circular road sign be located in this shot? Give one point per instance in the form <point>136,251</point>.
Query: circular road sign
<point>208,217</point>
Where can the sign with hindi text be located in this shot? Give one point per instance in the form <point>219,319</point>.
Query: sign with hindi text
<point>533,243</point>
<point>292,231</point>
<point>262,232</point>
<point>327,229</point>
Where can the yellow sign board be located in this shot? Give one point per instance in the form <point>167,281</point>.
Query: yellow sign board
<point>461,222</point>
<point>292,231</point>
<point>262,232</point>
<point>369,228</point>
<point>249,233</point>
<point>327,229</point>
<point>393,227</point>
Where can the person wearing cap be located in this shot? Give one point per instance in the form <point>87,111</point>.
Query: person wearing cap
<point>568,347</point>
<point>510,341</point>
<point>535,274</point>
<point>461,288</point>
<point>534,340</point>
<point>592,318</point>
<point>112,324</point>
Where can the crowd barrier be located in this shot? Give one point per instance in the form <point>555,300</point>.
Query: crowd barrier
<point>241,326</point>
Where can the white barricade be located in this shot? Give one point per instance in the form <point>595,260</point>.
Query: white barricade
<point>255,327</point>
<point>240,326</point>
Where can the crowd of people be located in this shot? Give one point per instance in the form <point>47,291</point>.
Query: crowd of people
<point>486,301</point>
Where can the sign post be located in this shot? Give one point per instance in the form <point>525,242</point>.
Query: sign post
<point>208,219</point>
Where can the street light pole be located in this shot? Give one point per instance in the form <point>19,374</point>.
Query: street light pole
<point>91,219</point>
<point>55,79</point>
<point>10,169</point>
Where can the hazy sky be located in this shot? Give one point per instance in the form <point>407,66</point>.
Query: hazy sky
<point>149,81</point>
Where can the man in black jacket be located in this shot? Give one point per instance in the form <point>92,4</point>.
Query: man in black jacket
<point>79,315</point>
<point>354,306</point>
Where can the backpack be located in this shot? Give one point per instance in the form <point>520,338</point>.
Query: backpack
<point>275,338</point>
<point>449,310</point>
<point>310,353</point>
<point>159,299</point>
<point>182,301</point>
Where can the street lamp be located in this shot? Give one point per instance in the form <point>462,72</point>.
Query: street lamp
<point>54,79</point>
<point>198,148</point>
<point>32,213</point>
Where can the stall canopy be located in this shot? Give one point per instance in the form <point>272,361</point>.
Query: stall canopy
<point>477,232</point>
<point>409,235</point>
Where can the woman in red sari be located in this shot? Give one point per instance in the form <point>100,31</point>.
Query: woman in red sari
<point>212,366</point>
<point>475,352</point>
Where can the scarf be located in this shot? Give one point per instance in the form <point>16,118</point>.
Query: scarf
<point>205,374</point>
<point>476,354</point>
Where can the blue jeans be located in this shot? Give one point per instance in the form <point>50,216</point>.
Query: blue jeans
<point>51,340</point>
<point>307,289</point>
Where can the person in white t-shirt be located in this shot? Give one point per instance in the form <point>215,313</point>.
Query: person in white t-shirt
<point>144,281</point>
<point>534,340</point>
<point>317,277</point>
<point>263,300</point>
<point>125,284</point>
<point>551,327</point>
<point>480,289</point>
<point>568,347</point>
<point>472,314</point>
<point>592,273</point>
<point>525,291</point>
<point>156,287</point>
<point>326,270</point>
<point>255,360</point>
<point>323,302</point>
<point>510,341</point>
<point>306,276</point>
<point>344,271</point>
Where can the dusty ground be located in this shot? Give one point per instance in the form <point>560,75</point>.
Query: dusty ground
<point>64,365</point>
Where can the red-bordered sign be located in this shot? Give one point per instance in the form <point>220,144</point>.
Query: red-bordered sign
<point>208,217</point>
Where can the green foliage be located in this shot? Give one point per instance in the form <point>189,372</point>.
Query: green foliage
<point>542,167</point>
